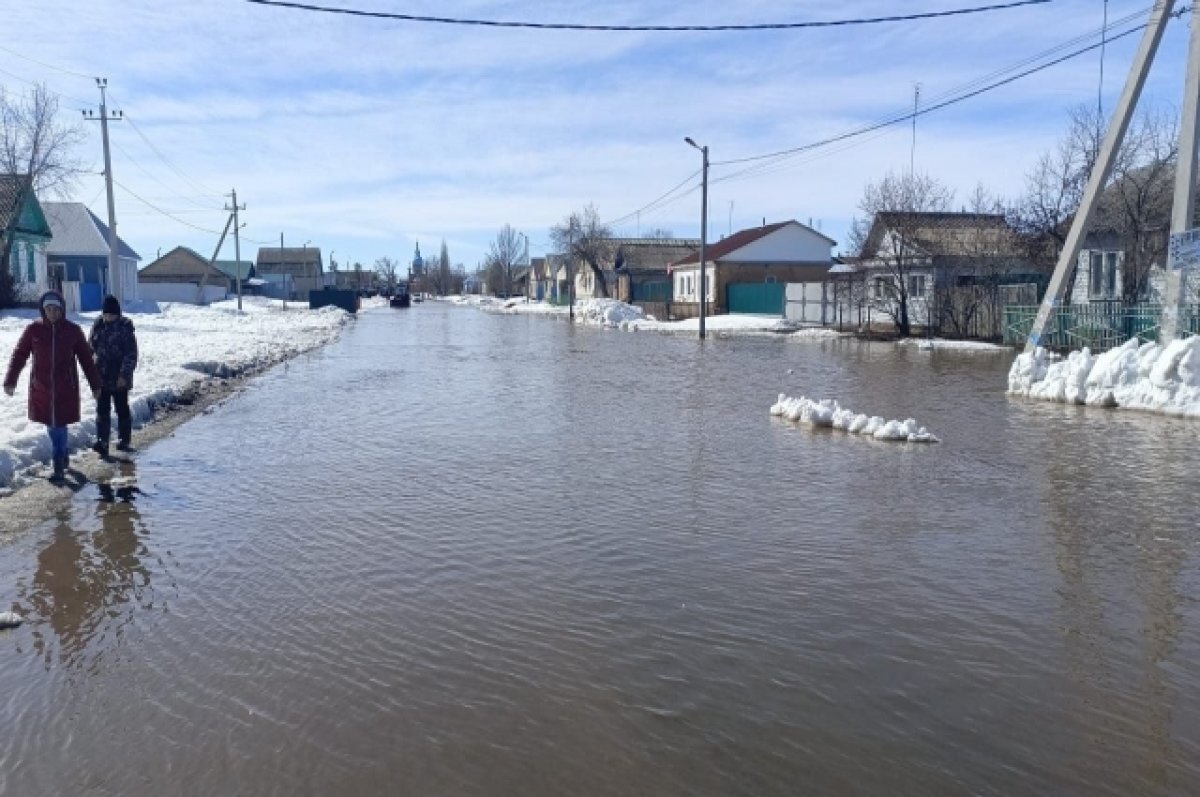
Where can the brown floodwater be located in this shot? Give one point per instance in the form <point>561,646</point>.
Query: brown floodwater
<point>456,553</point>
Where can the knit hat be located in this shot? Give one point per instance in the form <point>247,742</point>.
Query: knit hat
<point>52,298</point>
<point>111,305</point>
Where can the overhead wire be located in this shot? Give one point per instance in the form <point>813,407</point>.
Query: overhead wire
<point>775,161</point>
<point>904,117</point>
<point>638,28</point>
<point>156,208</point>
<point>650,205</point>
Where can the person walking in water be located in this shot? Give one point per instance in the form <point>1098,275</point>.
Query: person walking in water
<point>56,345</point>
<point>115,348</point>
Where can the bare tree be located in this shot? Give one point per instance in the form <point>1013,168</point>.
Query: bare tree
<point>975,258</point>
<point>503,257</point>
<point>898,206</point>
<point>439,274</point>
<point>33,142</point>
<point>1134,207</point>
<point>1137,205</point>
<point>37,148</point>
<point>387,269</point>
<point>583,238</point>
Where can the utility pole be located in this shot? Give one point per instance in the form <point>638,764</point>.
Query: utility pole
<point>115,286</point>
<point>1101,169</point>
<point>703,229</point>
<point>912,155</point>
<point>282,273</point>
<point>1182,254</point>
<point>237,247</point>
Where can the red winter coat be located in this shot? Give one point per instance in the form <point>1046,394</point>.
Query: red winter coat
<point>54,380</point>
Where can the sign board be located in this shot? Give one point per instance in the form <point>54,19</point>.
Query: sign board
<point>1184,250</point>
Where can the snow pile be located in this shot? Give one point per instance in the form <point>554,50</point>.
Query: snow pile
<point>830,414</point>
<point>608,313</point>
<point>1144,376</point>
<point>179,346</point>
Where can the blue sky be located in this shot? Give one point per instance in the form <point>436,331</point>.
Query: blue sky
<point>364,136</point>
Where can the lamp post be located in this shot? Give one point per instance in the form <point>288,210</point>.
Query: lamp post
<point>703,228</point>
<point>304,258</point>
<point>283,282</point>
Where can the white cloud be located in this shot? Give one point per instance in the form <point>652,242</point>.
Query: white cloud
<point>358,133</point>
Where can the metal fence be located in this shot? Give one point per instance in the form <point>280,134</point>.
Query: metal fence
<point>1098,326</point>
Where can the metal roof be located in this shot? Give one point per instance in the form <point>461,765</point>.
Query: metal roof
<point>78,232</point>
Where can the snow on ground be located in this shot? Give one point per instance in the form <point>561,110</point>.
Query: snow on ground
<point>830,414</point>
<point>1146,376</point>
<point>179,345</point>
<point>613,314</point>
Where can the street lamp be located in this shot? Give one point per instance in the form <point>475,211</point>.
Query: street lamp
<point>703,227</point>
<point>304,259</point>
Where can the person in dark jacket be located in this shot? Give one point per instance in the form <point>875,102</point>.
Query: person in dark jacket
<point>56,345</point>
<point>115,347</point>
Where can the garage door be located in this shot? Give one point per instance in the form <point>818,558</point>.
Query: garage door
<point>760,298</point>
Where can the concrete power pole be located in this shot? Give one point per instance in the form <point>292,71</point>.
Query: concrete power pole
<point>115,286</point>
<point>1182,256</point>
<point>1068,257</point>
<point>237,247</point>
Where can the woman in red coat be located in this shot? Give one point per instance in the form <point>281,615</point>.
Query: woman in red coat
<point>56,344</point>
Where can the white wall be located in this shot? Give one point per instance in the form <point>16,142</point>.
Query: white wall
<point>187,292</point>
<point>794,243</point>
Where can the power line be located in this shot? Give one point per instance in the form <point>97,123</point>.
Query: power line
<point>904,117</point>
<point>775,160</point>
<point>145,171</point>
<point>630,28</point>
<point>154,207</point>
<point>203,190</point>
<point>647,207</point>
<point>48,66</point>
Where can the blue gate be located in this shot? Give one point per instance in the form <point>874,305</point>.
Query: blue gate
<point>90,297</point>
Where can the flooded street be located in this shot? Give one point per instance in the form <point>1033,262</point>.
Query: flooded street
<point>456,553</point>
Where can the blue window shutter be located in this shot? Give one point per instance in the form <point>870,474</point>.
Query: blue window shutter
<point>32,266</point>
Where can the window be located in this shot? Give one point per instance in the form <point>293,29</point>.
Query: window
<point>916,286</point>
<point>883,288</point>
<point>1102,275</point>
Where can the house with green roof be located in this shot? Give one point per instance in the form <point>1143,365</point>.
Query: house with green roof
<point>24,234</point>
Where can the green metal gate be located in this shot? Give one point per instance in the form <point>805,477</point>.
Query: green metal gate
<point>760,298</point>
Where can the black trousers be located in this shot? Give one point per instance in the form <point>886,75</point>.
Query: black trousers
<point>109,399</point>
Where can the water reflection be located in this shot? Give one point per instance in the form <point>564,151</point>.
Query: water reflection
<point>90,577</point>
<point>1121,584</point>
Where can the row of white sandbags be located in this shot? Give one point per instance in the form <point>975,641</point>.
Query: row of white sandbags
<point>829,413</point>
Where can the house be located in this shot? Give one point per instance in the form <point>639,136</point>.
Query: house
<point>630,264</point>
<point>182,275</point>
<point>302,264</point>
<point>24,235</point>
<point>941,268</point>
<point>641,267</point>
<point>747,272</point>
<point>77,257</point>
<point>1123,256</point>
<point>359,280</point>
<point>235,270</point>
<point>539,286</point>
<point>472,284</point>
